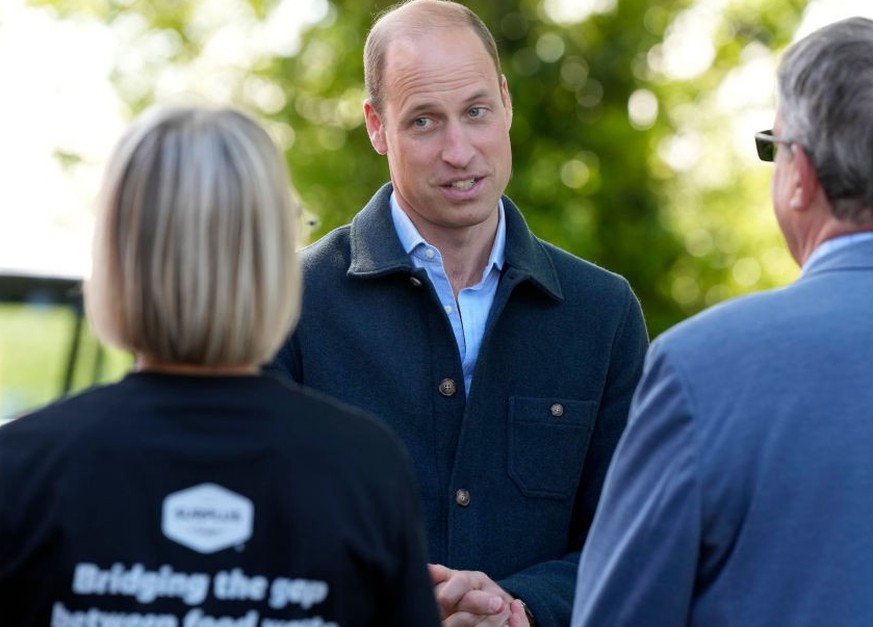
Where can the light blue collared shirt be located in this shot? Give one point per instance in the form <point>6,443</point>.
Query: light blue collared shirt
<point>470,313</point>
<point>831,245</point>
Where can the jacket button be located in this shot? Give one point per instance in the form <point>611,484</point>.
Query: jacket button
<point>557,410</point>
<point>448,387</point>
<point>416,282</point>
<point>462,497</point>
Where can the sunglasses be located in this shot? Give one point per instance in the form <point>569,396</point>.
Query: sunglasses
<point>766,142</point>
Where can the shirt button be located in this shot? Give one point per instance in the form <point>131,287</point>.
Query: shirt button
<point>462,497</point>
<point>448,309</point>
<point>448,387</point>
<point>557,410</point>
<point>429,253</point>
<point>416,282</point>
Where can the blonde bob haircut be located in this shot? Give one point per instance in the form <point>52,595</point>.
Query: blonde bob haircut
<point>195,258</point>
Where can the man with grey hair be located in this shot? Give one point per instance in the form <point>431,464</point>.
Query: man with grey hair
<point>741,492</point>
<point>505,364</point>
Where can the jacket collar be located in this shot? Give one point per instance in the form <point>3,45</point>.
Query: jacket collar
<point>376,250</point>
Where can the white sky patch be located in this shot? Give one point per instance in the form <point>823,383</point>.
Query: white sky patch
<point>575,11</point>
<point>821,12</point>
<point>278,34</point>
<point>53,102</point>
<point>687,50</point>
<point>748,96</point>
<point>63,103</point>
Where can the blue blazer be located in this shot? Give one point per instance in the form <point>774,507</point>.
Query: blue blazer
<point>510,476</point>
<point>742,491</point>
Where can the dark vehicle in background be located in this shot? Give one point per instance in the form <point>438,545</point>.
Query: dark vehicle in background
<point>46,348</point>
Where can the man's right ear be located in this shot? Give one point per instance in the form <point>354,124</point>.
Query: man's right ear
<point>375,129</point>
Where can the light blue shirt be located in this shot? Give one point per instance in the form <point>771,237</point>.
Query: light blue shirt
<point>469,313</point>
<point>831,245</point>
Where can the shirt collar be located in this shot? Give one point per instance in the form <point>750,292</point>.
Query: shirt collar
<point>375,249</point>
<point>411,239</point>
<point>834,244</point>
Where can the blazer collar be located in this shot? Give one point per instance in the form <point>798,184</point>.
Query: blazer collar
<point>376,249</point>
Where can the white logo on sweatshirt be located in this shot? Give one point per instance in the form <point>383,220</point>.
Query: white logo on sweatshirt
<point>207,518</point>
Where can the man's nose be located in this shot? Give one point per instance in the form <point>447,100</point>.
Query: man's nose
<point>458,148</point>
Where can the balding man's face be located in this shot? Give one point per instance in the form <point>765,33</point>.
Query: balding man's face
<point>445,129</point>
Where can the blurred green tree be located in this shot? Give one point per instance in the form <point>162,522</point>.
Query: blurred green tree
<point>601,129</point>
<point>591,112</point>
<point>581,169</point>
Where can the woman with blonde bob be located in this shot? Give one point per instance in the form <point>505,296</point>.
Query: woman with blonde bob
<point>194,260</point>
<point>197,491</point>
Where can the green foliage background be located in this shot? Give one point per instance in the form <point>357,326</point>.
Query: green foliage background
<point>570,115</point>
<point>586,177</point>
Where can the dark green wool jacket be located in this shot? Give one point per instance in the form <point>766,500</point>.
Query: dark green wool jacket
<point>509,477</point>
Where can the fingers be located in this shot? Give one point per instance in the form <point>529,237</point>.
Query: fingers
<point>513,616</point>
<point>465,619</point>
<point>467,598</point>
<point>453,588</point>
<point>517,615</point>
<point>463,592</point>
<point>439,573</point>
<point>481,602</point>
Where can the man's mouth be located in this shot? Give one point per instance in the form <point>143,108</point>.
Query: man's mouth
<point>462,185</point>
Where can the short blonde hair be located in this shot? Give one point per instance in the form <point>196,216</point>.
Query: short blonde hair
<point>195,256</point>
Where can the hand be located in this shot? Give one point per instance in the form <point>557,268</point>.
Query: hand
<point>470,598</point>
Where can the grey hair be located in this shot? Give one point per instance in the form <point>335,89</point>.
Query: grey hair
<point>410,18</point>
<point>826,105</point>
<point>195,257</point>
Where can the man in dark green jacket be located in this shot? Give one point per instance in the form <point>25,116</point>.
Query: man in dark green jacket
<point>505,364</point>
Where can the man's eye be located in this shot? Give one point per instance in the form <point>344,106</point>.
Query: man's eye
<point>476,112</point>
<point>420,122</point>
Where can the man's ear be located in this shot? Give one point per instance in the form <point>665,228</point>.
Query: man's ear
<point>507,100</point>
<point>805,184</point>
<point>375,129</point>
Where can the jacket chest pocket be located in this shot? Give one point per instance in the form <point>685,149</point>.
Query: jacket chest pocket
<point>548,440</point>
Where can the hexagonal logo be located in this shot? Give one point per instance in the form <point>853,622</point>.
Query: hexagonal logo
<point>207,518</point>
